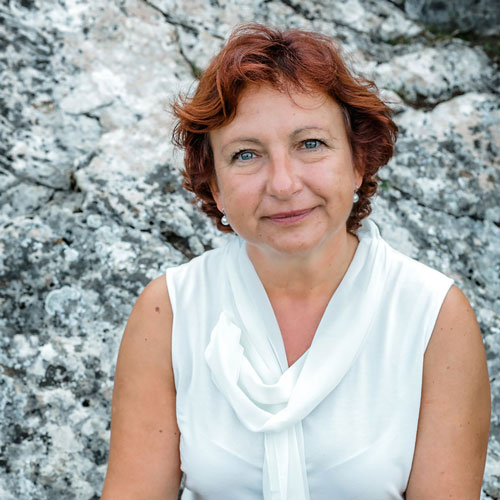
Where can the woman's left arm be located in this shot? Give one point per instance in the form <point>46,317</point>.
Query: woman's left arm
<point>455,410</point>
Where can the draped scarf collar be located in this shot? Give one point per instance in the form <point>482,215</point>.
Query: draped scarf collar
<point>248,364</point>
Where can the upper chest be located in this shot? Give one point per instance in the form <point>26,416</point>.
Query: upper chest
<point>298,321</point>
<point>365,428</point>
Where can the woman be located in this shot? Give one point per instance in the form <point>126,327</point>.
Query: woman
<point>307,358</point>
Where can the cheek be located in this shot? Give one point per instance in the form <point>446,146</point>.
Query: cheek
<point>331,180</point>
<point>337,189</point>
<point>241,202</point>
<point>241,192</point>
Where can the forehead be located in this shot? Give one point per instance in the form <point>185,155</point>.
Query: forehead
<point>263,108</point>
<point>254,97</point>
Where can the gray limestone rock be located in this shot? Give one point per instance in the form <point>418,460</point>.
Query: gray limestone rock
<point>479,16</point>
<point>92,206</point>
<point>434,74</point>
<point>39,142</point>
<point>67,287</point>
<point>447,157</point>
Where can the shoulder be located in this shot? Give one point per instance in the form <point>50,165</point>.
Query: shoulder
<point>456,336</point>
<point>152,307</point>
<point>457,307</point>
<point>154,295</point>
<point>415,271</point>
<point>148,332</point>
<point>405,272</point>
<point>201,273</point>
<point>415,289</point>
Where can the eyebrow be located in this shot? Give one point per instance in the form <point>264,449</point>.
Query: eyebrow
<point>254,140</point>
<point>305,129</point>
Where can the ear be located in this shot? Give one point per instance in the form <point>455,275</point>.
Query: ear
<point>359,168</point>
<point>214,189</point>
<point>358,177</point>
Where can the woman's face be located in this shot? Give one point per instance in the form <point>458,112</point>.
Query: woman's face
<point>284,174</point>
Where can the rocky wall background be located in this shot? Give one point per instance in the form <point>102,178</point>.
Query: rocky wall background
<point>91,206</point>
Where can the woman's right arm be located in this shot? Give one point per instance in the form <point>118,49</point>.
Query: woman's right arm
<point>144,451</point>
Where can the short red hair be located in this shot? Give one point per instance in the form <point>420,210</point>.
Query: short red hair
<point>291,59</point>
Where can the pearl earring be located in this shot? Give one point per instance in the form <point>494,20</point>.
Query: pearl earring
<point>223,220</point>
<point>355,197</point>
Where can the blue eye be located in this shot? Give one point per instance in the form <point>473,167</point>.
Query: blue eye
<point>244,155</point>
<point>312,143</point>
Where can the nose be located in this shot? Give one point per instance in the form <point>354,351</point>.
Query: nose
<point>283,180</point>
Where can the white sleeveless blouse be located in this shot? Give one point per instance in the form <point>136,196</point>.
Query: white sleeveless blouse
<point>341,422</point>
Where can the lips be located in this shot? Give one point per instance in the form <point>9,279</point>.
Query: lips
<point>290,217</point>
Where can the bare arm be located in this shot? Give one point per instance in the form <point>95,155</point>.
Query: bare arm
<point>144,451</point>
<point>455,410</point>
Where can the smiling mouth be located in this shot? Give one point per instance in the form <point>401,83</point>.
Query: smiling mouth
<point>290,217</point>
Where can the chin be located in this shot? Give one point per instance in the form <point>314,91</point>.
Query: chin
<point>296,246</point>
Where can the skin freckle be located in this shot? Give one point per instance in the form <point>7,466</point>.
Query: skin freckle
<point>157,309</point>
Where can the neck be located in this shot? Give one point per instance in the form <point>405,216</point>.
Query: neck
<point>317,272</point>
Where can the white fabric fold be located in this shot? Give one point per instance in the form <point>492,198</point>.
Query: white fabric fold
<point>247,359</point>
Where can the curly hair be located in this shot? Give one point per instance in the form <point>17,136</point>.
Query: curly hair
<point>286,60</point>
